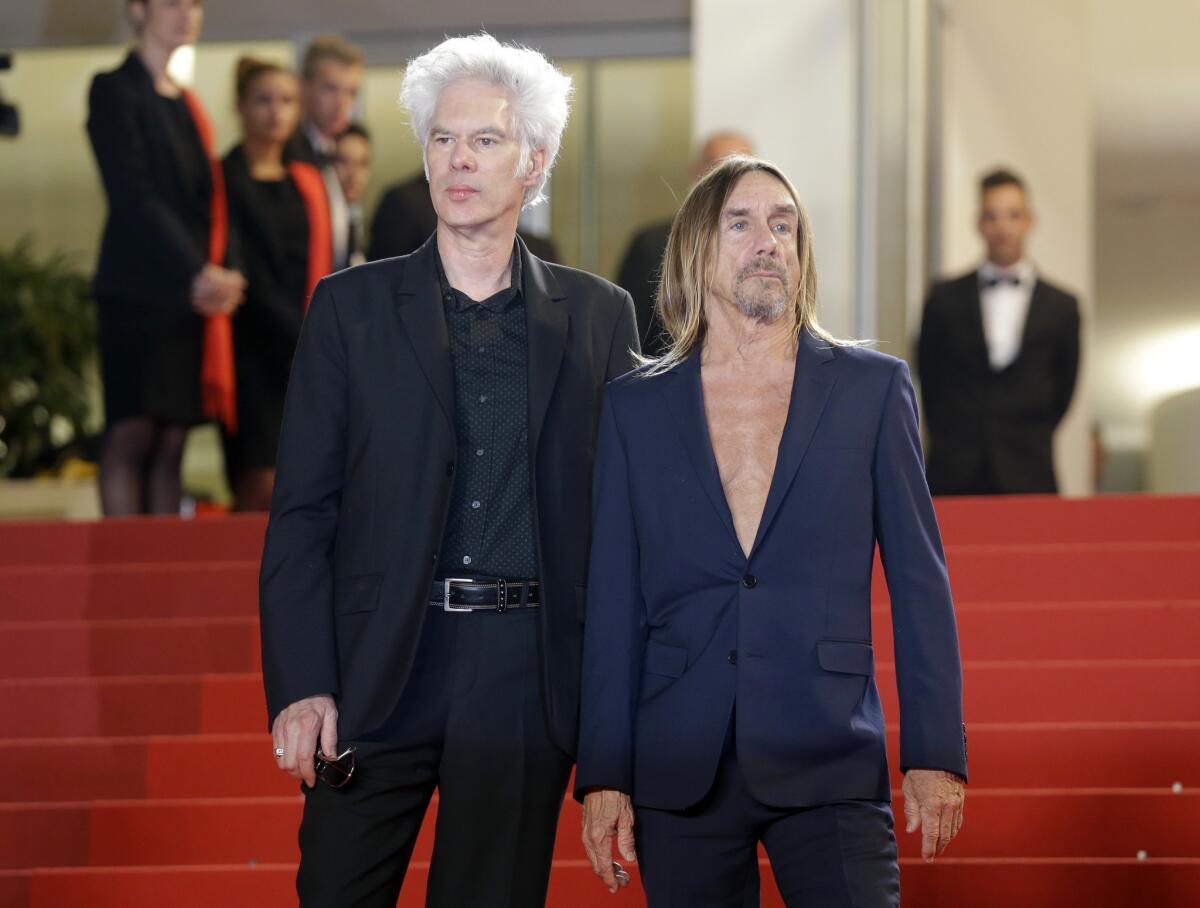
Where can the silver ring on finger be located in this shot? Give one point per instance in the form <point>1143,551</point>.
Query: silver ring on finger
<point>279,751</point>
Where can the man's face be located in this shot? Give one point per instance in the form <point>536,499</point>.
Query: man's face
<point>330,94</point>
<point>1004,220</point>
<point>758,266</point>
<point>353,166</point>
<point>472,156</point>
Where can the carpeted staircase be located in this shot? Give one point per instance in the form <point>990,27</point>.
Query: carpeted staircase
<point>136,770</point>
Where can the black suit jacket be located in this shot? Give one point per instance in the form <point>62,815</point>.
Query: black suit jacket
<point>993,431</point>
<point>405,217</point>
<point>156,235</point>
<point>365,472</point>
<point>639,274</point>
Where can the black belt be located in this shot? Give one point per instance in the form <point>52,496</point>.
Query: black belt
<point>455,594</point>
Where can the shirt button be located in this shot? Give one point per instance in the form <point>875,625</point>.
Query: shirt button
<point>732,657</point>
<point>483,398</point>
<point>475,505</point>
<point>749,581</point>
<point>466,559</point>
<point>479,452</point>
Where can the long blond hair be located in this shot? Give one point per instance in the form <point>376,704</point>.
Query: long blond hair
<point>689,265</point>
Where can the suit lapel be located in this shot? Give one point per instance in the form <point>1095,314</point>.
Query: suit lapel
<point>162,130</point>
<point>546,323</point>
<point>973,323</point>
<point>1034,319</point>
<point>685,399</point>
<point>810,392</point>
<point>419,304</point>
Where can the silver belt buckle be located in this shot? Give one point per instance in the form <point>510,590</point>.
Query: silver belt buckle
<point>446,606</point>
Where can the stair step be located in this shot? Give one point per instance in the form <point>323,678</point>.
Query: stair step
<point>1069,755</point>
<point>230,644</point>
<point>947,883</point>
<point>1067,572</point>
<point>136,590</point>
<point>1048,518</point>
<point>995,691</point>
<point>1108,823</point>
<point>1085,630</point>
<point>46,649</point>
<point>117,541</point>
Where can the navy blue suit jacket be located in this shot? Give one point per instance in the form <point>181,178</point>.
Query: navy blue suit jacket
<point>683,626</point>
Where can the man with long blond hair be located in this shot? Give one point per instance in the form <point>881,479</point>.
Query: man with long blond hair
<point>742,482</point>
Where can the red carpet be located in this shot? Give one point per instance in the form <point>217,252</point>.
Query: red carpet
<point>138,772</point>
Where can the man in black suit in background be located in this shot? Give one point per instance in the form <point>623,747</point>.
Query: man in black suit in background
<point>644,256</point>
<point>998,356</point>
<point>331,78</point>
<point>423,582</point>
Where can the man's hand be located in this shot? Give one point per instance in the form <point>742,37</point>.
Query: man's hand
<point>933,800</point>
<point>605,812</point>
<point>296,730</point>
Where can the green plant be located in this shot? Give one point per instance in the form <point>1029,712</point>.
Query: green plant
<point>47,357</point>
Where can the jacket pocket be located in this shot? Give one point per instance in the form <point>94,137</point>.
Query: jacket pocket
<point>665,659</point>
<point>846,656</point>
<point>357,594</point>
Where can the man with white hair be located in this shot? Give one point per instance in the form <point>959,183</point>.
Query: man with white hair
<point>424,576</point>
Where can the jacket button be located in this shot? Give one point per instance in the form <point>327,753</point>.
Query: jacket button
<point>450,469</point>
<point>732,657</point>
<point>749,581</point>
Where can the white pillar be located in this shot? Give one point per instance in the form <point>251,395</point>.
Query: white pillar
<point>785,73</point>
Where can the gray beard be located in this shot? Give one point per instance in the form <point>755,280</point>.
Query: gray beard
<point>763,306</point>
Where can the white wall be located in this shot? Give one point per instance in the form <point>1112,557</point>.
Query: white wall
<point>1146,95</point>
<point>1016,92</point>
<point>785,73</point>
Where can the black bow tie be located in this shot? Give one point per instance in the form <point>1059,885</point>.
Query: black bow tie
<point>1011,279</point>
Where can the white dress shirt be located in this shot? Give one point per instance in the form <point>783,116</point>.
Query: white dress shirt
<point>1004,295</point>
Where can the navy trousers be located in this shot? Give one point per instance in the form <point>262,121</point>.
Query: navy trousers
<point>837,855</point>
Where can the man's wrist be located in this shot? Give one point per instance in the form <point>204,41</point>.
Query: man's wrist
<point>945,773</point>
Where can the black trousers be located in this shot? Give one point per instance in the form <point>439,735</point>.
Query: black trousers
<point>469,724</point>
<point>838,855</point>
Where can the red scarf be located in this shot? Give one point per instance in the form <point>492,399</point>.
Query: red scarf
<point>217,384</point>
<point>217,377</point>
<point>311,183</point>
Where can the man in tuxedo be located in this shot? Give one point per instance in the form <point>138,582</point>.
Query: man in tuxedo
<point>331,78</point>
<point>997,357</point>
<point>643,257</point>
<point>742,482</point>
<point>423,583</point>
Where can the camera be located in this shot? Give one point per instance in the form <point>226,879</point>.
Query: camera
<point>10,117</point>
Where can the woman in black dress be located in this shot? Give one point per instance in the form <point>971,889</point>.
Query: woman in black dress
<point>158,279</point>
<point>280,214</point>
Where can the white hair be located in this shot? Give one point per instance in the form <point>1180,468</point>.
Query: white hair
<point>539,94</point>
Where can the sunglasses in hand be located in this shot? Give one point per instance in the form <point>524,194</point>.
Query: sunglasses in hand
<point>335,771</point>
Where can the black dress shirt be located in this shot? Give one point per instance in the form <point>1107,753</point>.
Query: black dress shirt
<point>489,530</point>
